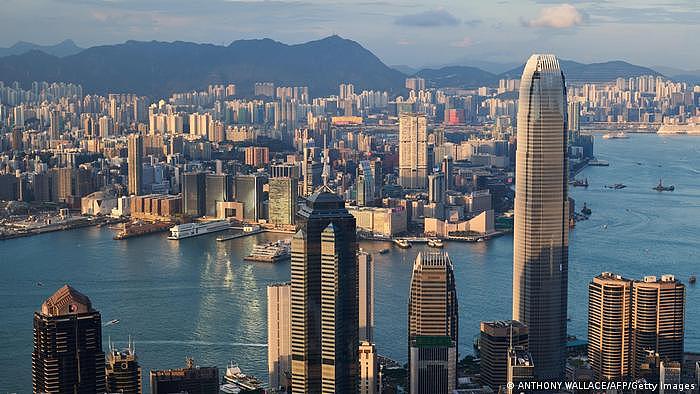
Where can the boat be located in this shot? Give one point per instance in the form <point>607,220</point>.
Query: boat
<point>616,186</point>
<point>692,279</point>
<point>384,251</point>
<point>402,243</point>
<point>39,284</point>
<point>661,188</point>
<point>188,230</point>
<point>580,183</point>
<point>271,252</point>
<point>585,210</point>
<point>246,383</point>
<point>229,388</point>
<point>435,243</point>
<point>111,322</point>
<point>616,136</point>
<point>598,163</point>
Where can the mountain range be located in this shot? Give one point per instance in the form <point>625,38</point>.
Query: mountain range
<point>158,69</point>
<point>63,48</point>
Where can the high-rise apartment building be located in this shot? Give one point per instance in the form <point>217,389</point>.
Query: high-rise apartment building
<point>324,297</point>
<point>122,372</point>
<point>369,369</point>
<point>413,151</point>
<point>540,237</point>
<point>135,159</point>
<point>495,340</point>
<point>365,266</point>
<point>283,194</point>
<point>609,318</point>
<point>279,335</point>
<point>68,356</point>
<point>657,319</point>
<point>433,323</point>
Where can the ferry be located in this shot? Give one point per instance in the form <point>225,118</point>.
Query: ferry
<point>194,229</point>
<point>598,163</point>
<point>246,383</point>
<point>616,136</point>
<point>271,252</point>
<point>435,243</point>
<point>402,243</point>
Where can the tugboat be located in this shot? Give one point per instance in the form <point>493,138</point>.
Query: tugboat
<point>661,188</point>
<point>585,210</point>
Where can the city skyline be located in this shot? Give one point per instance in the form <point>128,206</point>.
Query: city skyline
<point>451,31</point>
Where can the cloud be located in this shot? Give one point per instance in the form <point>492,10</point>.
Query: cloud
<point>463,43</point>
<point>557,17</point>
<point>433,18</point>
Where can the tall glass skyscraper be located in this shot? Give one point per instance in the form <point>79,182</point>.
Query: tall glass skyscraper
<point>324,297</point>
<point>540,241</point>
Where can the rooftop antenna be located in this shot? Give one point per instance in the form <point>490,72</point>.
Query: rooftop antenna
<point>326,166</point>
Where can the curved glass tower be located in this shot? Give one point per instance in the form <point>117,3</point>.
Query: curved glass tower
<point>540,241</point>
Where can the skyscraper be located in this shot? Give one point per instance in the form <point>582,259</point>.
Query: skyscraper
<point>283,200</point>
<point>495,340</point>
<point>657,319</point>
<point>249,191</point>
<point>324,297</point>
<point>520,368</point>
<point>68,356</point>
<point>540,250</point>
<point>433,324</point>
<point>413,151</point>
<point>279,352</point>
<point>218,187</point>
<point>609,317</point>
<point>369,368</point>
<point>194,194</point>
<point>135,151</point>
<point>123,373</point>
<point>365,266</point>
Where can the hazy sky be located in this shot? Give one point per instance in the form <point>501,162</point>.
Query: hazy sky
<point>415,33</point>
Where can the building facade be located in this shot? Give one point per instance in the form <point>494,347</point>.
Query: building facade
<point>495,340</point>
<point>279,335</point>
<point>135,159</point>
<point>413,151</point>
<point>540,237</point>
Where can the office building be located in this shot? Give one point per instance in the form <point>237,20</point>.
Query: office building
<point>365,184</point>
<point>279,335</point>
<point>433,323</point>
<point>249,191</point>
<point>436,188</point>
<point>68,356</point>
<point>609,325</point>
<point>284,170</point>
<point>324,297</point>
<point>283,193</point>
<point>669,377</point>
<point>413,151</point>
<point>135,159</point>
<point>365,269</point>
<point>521,369</point>
<point>191,380</point>
<point>194,194</point>
<point>218,187</point>
<point>657,319</point>
<point>496,338</point>
<point>369,368</point>
<point>447,168</point>
<point>540,237</point>
<point>432,366</point>
<point>122,372</point>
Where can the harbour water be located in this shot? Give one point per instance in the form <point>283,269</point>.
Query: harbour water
<point>197,297</point>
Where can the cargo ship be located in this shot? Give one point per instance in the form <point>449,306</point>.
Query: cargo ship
<point>271,252</point>
<point>188,230</point>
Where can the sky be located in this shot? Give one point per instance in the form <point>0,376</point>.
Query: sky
<point>400,32</point>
